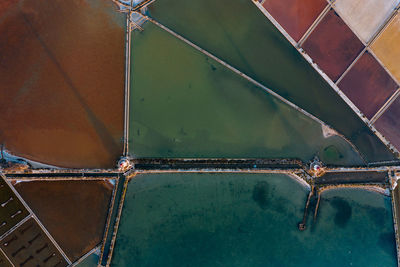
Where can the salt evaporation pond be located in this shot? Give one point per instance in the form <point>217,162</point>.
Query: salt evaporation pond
<point>184,104</point>
<point>249,220</point>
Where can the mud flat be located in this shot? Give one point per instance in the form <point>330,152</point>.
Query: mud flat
<point>295,16</point>
<point>368,85</point>
<point>74,212</point>
<point>66,106</point>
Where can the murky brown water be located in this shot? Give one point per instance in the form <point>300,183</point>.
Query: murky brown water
<point>74,212</point>
<point>62,81</point>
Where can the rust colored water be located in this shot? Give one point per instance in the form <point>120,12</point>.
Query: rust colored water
<point>5,5</point>
<point>62,82</point>
<point>368,85</point>
<point>332,45</point>
<point>295,16</point>
<point>74,212</point>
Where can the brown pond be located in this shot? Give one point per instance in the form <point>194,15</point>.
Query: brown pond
<point>12,211</point>
<point>295,16</point>
<point>368,85</point>
<point>28,245</point>
<point>62,81</point>
<point>74,212</point>
<point>389,124</point>
<point>332,45</point>
<point>4,261</point>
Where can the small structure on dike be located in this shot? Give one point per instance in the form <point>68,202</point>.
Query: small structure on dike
<point>124,164</point>
<point>317,168</point>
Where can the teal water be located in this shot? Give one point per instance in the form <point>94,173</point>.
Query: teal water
<point>91,261</point>
<point>249,220</point>
<point>237,32</point>
<point>184,104</point>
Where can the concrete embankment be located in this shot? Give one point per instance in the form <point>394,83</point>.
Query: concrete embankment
<point>201,164</point>
<point>378,177</point>
<point>62,176</point>
<point>396,212</point>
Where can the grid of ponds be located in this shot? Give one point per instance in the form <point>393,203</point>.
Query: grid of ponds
<point>28,245</point>
<point>23,240</point>
<point>79,208</point>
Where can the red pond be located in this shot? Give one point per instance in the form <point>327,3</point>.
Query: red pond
<point>368,85</point>
<point>295,16</point>
<point>332,45</point>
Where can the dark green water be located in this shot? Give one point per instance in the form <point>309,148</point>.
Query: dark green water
<point>184,104</point>
<point>249,220</point>
<point>237,32</point>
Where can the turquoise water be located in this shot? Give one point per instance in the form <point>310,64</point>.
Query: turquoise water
<point>237,32</point>
<point>184,104</point>
<point>249,220</point>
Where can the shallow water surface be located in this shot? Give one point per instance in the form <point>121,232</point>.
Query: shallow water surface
<point>62,82</point>
<point>184,104</point>
<point>91,261</point>
<point>249,220</point>
<point>237,32</point>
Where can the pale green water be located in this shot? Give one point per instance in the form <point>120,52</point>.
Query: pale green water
<point>237,32</point>
<point>249,220</point>
<point>184,104</point>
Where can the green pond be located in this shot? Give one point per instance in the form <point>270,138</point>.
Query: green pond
<point>249,220</point>
<point>91,261</point>
<point>184,104</point>
<point>237,32</point>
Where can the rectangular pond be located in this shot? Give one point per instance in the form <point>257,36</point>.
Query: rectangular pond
<point>333,52</point>
<point>387,49</point>
<point>389,124</point>
<point>235,219</point>
<point>295,16</point>
<point>74,212</point>
<point>368,85</point>
<point>365,17</point>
